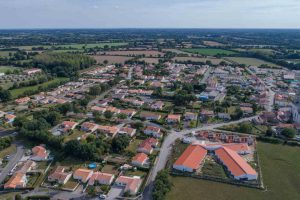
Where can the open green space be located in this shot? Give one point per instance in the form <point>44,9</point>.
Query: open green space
<point>16,92</point>
<point>8,151</point>
<point>212,168</point>
<point>4,69</point>
<point>250,61</point>
<point>209,51</point>
<point>281,176</point>
<point>6,53</point>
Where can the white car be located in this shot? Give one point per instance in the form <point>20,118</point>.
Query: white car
<point>102,196</point>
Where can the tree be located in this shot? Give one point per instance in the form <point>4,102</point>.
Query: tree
<point>162,185</point>
<point>95,90</point>
<point>270,132</point>
<point>289,132</point>
<point>119,143</point>
<point>5,95</point>
<point>245,127</point>
<point>18,197</point>
<point>108,114</point>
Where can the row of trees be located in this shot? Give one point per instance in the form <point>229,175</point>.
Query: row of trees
<point>162,185</point>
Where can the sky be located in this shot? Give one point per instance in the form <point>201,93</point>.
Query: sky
<point>149,14</point>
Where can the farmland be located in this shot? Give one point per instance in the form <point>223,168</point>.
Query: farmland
<point>112,59</point>
<point>250,61</point>
<point>150,60</point>
<point>213,43</point>
<point>280,166</point>
<point>4,69</point>
<point>209,51</point>
<point>135,53</point>
<point>76,46</point>
<point>6,53</point>
<point>214,61</point>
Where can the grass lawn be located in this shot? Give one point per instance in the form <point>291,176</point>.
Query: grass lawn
<point>3,69</point>
<point>177,150</point>
<point>212,168</point>
<point>8,151</point>
<point>111,169</point>
<point>16,92</point>
<point>32,179</point>
<point>72,183</point>
<point>255,129</point>
<point>251,61</point>
<point>209,51</point>
<point>76,133</point>
<point>6,53</point>
<point>136,173</point>
<point>133,145</point>
<point>281,174</point>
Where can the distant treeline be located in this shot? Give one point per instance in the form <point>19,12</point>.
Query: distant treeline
<point>62,64</point>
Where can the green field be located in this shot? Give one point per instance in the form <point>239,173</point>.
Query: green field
<point>209,51</point>
<point>6,53</point>
<point>281,176</point>
<point>16,92</point>
<point>76,46</point>
<point>4,69</point>
<point>250,61</point>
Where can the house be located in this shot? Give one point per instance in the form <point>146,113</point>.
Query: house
<point>189,116</point>
<point>68,125</point>
<point>235,164</point>
<point>128,112</point>
<point>98,109</point>
<point>147,146</point>
<point>39,153</point>
<point>247,110</point>
<point>158,105</point>
<point>153,131</point>
<point>23,100</point>
<point>89,127</point>
<point>127,131</point>
<point>101,178</point>
<point>108,130</point>
<point>206,114</point>
<point>191,159</point>
<point>32,71</point>
<point>9,118</point>
<point>113,110</point>
<point>173,118</point>
<point>140,160</point>
<point>18,180</point>
<point>131,184</point>
<point>27,166</point>
<point>59,175</point>
<point>82,175</point>
<point>224,116</point>
<point>150,116</point>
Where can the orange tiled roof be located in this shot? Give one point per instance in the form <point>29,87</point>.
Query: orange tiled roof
<point>15,181</point>
<point>83,173</point>
<point>99,176</point>
<point>39,151</point>
<point>234,162</point>
<point>192,157</point>
<point>140,158</point>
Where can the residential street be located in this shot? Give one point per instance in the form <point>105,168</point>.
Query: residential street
<point>12,162</point>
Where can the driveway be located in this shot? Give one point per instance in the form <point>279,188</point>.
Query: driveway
<point>114,192</point>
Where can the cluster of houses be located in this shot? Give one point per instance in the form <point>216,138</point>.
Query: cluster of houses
<point>7,117</point>
<point>62,175</point>
<point>19,179</point>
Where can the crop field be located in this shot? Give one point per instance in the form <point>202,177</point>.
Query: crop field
<point>209,51</point>
<point>6,53</point>
<point>214,61</point>
<point>16,92</point>
<point>280,169</point>
<point>251,61</point>
<point>112,59</point>
<point>75,46</point>
<point>135,53</point>
<point>176,51</point>
<point>150,60</point>
<point>213,44</point>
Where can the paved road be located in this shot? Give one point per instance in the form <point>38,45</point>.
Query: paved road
<point>166,147</point>
<point>206,75</point>
<point>130,73</point>
<point>12,162</point>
